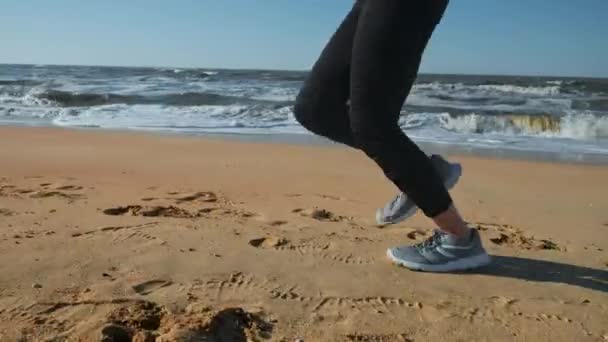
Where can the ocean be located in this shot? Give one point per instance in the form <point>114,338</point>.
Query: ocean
<point>521,113</point>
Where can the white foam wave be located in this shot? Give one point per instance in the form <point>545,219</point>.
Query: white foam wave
<point>495,88</point>
<point>491,98</point>
<point>275,94</point>
<point>211,117</point>
<point>502,104</point>
<point>584,126</point>
<point>571,134</point>
<point>27,99</point>
<point>539,91</point>
<point>575,126</point>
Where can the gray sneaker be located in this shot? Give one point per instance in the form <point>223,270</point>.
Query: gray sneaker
<point>442,252</point>
<point>401,207</point>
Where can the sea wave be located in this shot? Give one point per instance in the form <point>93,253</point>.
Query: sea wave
<point>580,126</point>
<point>20,83</point>
<point>539,113</point>
<point>158,116</point>
<point>69,99</point>
<point>549,90</point>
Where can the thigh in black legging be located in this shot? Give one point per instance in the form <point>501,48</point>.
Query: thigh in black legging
<point>389,43</point>
<point>321,106</point>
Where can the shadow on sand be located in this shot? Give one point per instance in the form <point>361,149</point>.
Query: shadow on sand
<point>547,271</point>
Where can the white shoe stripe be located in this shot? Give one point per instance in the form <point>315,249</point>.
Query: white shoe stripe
<point>445,253</point>
<point>457,247</point>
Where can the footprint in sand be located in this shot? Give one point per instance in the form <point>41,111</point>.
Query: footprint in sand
<point>236,284</point>
<point>280,243</point>
<point>247,286</point>
<point>58,191</point>
<point>414,234</point>
<point>219,207</point>
<point>176,212</point>
<point>24,191</point>
<point>11,190</point>
<point>269,242</point>
<point>349,259</point>
<point>150,286</point>
<point>319,214</point>
<point>305,247</point>
<point>30,234</point>
<point>57,194</point>
<point>373,305</point>
<point>69,187</point>
<point>6,212</point>
<point>201,196</point>
<point>154,211</point>
<point>147,321</point>
<point>522,242</point>
<point>323,196</point>
<point>377,337</point>
<point>330,197</point>
<point>511,236</point>
<point>278,223</point>
<point>502,302</point>
<point>61,187</point>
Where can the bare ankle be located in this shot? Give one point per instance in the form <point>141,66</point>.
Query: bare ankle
<point>451,222</point>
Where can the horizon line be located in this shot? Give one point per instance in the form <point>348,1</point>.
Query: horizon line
<point>291,70</point>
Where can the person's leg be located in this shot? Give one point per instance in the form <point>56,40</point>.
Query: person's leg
<point>402,207</point>
<point>321,106</point>
<point>391,37</point>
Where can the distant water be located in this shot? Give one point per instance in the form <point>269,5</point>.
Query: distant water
<point>545,114</point>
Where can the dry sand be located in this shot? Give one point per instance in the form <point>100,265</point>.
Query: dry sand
<point>188,239</point>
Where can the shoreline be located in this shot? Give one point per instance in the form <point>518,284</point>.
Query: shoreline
<point>313,140</point>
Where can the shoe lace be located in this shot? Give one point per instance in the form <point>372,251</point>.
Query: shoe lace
<point>430,242</point>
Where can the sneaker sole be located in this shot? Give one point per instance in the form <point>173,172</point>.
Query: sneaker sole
<point>463,264</point>
<point>449,184</point>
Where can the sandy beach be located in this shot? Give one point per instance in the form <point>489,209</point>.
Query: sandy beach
<point>150,237</point>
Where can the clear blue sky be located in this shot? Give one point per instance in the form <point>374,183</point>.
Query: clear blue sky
<point>556,37</point>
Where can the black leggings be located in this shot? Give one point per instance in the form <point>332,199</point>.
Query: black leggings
<point>372,60</point>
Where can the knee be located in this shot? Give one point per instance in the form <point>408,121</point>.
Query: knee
<point>306,112</point>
